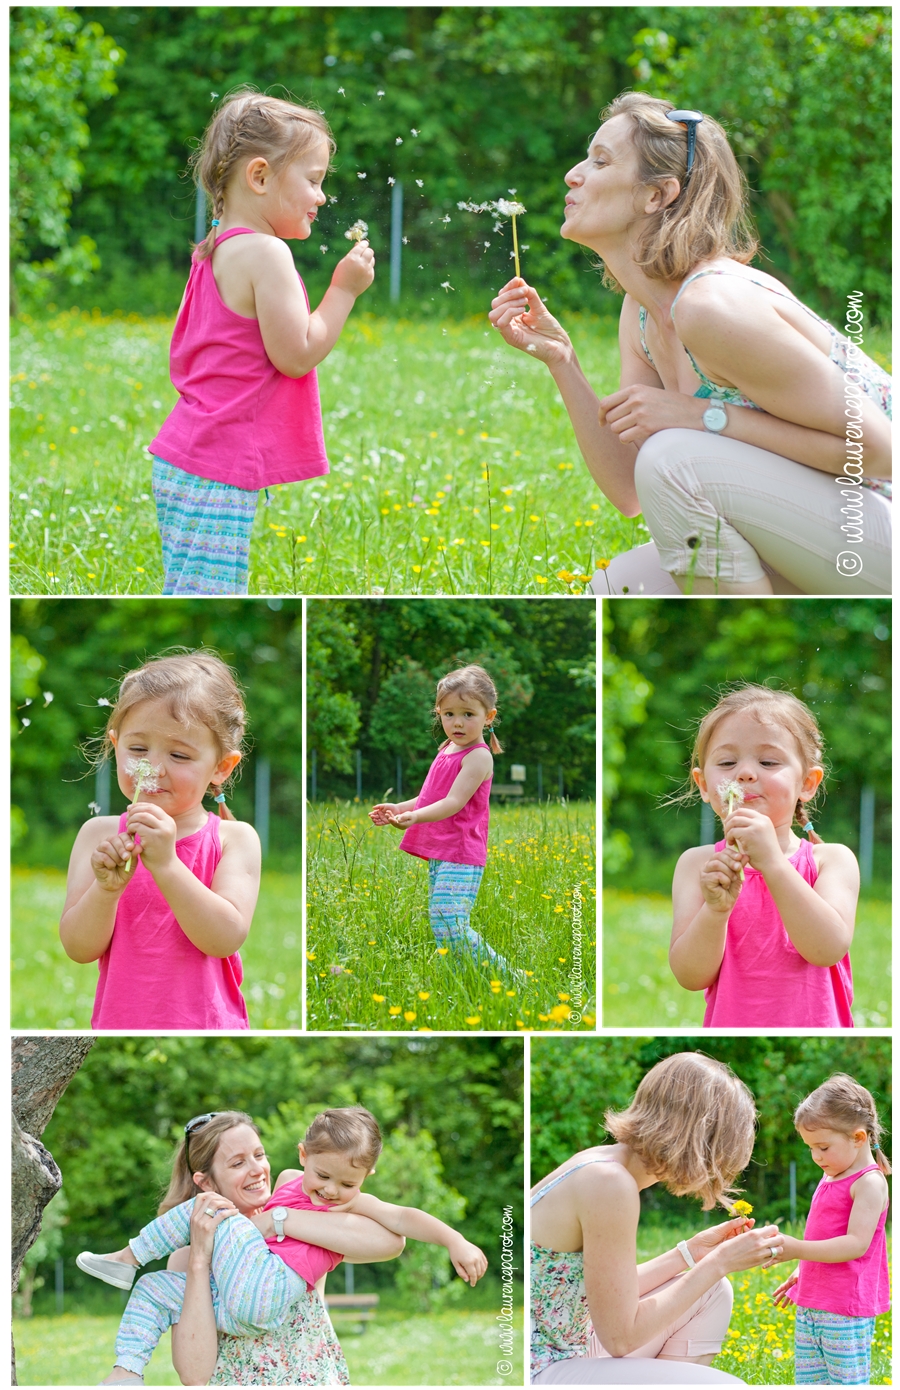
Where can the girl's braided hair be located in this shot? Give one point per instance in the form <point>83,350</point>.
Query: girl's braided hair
<point>246,125</point>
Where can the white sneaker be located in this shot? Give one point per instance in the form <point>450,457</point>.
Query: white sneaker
<point>114,1272</point>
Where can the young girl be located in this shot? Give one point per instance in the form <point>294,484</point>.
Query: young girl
<point>842,1282</point>
<point>260,1273</point>
<point>163,895</point>
<point>447,823</point>
<point>245,345</point>
<point>764,923</point>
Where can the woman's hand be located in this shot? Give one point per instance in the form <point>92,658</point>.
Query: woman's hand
<point>528,326</point>
<point>636,412</point>
<point>356,271</point>
<point>158,832</point>
<point>109,862</point>
<point>705,1241</point>
<point>384,814</point>
<point>751,1250</point>
<point>780,1296</point>
<point>720,879</point>
<point>209,1211</point>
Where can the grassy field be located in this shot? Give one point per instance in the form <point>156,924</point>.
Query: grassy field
<point>447,1348</point>
<point>454,466</point>
<point>760,1345</point>
<point>372,961</point>
<point>50,991</point>
<point>640,991</point>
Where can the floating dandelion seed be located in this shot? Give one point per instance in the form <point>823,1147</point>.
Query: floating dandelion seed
<point>413,132</point>
<point>445,285</point>
<point>391,182</point>
<point>358,231</point>
<point>379,94</point>
<point>341,92</point>
<point>503,207</point>
<point>420,183</point>
<point>362,176</point>
<point>731,792</point>
<point>399,140</point>
<point>405,241</point>
<point>95,808</point>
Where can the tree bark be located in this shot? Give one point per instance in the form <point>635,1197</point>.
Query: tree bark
<point>41,1070</point>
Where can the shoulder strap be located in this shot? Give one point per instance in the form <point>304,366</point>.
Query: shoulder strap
<point>782,294</point>
<point>555,1181</point>
<point>235,231</point>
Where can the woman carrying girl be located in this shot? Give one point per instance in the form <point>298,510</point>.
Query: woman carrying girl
<point>262,1266</point>
<point>690,1127</point>
<point>736,426</point>
<point>447,823</point>
<point>764,923</point>
<point>246,346</point>
<point>842,1282</point>
<point>163,895</point>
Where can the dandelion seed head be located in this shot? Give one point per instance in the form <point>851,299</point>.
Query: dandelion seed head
<point>146,776</point>
<point>730,792</point>
<point>358,232</point>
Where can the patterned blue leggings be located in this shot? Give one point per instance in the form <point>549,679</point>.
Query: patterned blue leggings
<point>252,1289</point>
<point>830,1349</point>
<point>205,530</point>
<point>452,890</point>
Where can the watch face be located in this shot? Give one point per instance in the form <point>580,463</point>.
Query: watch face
<point>714,417</point>
<point>278,1213</point>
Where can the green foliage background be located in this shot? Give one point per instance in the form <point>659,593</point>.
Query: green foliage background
<point>374,664</point>
<point>450,1110</point>
<point>666,660</point>
<point>79,651</point>
<point>573,1082</point>
<point>483,98</point>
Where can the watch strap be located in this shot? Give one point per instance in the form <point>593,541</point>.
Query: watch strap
<point>684,1252</point>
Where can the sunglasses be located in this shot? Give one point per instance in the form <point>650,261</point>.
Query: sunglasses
<point>192,1125</point>
<point>690,120</point>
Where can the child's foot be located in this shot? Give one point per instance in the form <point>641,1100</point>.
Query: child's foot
<point>119,1376</point>
<point>117,1269</point>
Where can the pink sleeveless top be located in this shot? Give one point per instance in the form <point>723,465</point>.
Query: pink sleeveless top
<point>763,981</point>
<point>238,420</point>
<point>309,1261</point>
<point>460,839</point>
<point>151,975</point>
<point>854,1288</point>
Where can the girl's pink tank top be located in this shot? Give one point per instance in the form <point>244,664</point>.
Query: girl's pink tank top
<point>151,975</point>
<point>461,838</point>
<point>238,420</point>
<point>763,981</point>
<point>854,1288</point>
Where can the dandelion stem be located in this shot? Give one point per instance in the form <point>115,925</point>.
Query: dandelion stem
<point>515,245</point>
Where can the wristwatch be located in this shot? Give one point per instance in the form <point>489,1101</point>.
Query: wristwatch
<point>279,1216</point>
<point>714,417</point>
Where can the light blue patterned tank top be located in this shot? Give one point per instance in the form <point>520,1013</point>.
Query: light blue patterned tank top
<point>873,380</point>
<point>560,1318</point>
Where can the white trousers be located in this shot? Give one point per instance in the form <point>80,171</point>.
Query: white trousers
<point>728,511</point>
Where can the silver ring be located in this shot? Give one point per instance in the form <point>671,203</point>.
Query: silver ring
<point>210,1211</point>
<point>773,1251</point>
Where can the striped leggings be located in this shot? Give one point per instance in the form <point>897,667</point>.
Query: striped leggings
<point>452,890</point>
<point>252,1289</point>
<point>830,1349</point>
<point>205,530</point>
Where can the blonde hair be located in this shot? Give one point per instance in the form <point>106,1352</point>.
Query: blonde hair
<point>247,124</point>
<point>709,217</point>
<point>841,1103</point>
<point>768,706</point>
<point>692,1124</point>
<point>351,1131</point>
<point>199,689</point>
<point>204,1145</point>
<point>475,682</point>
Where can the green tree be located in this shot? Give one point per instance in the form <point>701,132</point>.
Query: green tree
<point>59,66</point>
<point>332,715</point>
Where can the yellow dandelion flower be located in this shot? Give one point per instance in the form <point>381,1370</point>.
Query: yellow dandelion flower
<point>603,564</point>
<point>741,1209</point>
<point>394,1009</point>
<point>424,994</point>
<point>564,997</point>
<point>410,1015</point>
<point>310,955</point>
<point>476,1019</point>
<point>442,950</point>
<point>379,998</point>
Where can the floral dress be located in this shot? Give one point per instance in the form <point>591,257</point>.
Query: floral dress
<point>302,1351</point>
<point>560,1318</point>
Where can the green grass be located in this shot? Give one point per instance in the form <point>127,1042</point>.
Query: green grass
<point>640,991</point>
<point>368,932</point>
<point>454,466</point>
<point>50,991</point>
<point>447,1348</point>
<point>759,1348</point>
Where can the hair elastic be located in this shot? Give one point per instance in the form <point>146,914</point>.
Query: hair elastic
<point>215,222</point>
<point>875,1148</point>
<point>220,798</point>
<point>808,828</point>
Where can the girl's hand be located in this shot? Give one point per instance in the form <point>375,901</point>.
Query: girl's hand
<point>752,1250</point>
<point>636,412</point>
<point>356,271</point>
<point>204,1226</point>
<point>519,313</point>
<point>110,862</point>
<point>384,814</point>
<point>780,1296</point>
<point>720,879</point>
<point>704,1241</point>
<point>157,830</point>
<point>757,836</point>
<point>403,819</point>
<point>468,1261</point>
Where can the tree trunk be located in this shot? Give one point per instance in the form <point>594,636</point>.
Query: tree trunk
<point>41,1070</point>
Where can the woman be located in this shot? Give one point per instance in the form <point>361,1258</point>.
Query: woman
<point>227,1152</point>
<point>691,1127</point>
<point>744,423</point>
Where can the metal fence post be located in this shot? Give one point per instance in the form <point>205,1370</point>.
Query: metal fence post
<point>102,787</point>
<point>396,240</point>
<point>312,774</point>
<point>359,774</point>
<point>200,214</point>
<point>866,834</point>
<point>261,802</point>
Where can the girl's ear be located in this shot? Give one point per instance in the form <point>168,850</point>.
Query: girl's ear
<point>301,1150</point>
<point>811,783</point>
<point>257,173</point>
<point>225,768</point>
<point>699,781</point>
